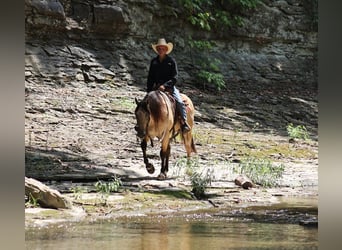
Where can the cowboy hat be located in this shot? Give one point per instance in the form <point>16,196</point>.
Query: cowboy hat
<point>162,42</point>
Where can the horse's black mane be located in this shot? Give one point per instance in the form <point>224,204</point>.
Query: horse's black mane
<point>142,104</point>
<point>151,103</point>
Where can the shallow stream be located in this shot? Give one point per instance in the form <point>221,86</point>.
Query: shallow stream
<point>276,227</point>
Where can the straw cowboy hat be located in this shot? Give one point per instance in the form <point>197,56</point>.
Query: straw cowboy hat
<point>162,42</point>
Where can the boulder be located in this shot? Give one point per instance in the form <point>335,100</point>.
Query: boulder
<point>46,197</point>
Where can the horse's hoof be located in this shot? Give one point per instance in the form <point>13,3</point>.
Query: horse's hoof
<point>161,176</point>
<point>150,169</point>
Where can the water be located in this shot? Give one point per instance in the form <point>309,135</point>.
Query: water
<point>203,231</point>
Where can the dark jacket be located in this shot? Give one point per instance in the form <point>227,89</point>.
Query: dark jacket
<point>165,72</point>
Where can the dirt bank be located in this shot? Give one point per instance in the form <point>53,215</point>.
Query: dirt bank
<point>77,134</point>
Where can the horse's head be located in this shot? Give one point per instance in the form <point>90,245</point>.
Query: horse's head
<point>143,116</point>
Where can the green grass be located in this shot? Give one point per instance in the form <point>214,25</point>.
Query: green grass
<point>124,103</point>
<point>262,150</point>
<point>261,171</point>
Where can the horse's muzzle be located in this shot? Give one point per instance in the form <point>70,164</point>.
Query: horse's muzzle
<point>140,133</point>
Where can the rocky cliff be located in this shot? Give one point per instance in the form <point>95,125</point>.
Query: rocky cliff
<point>106,40</point>
<point>86,61</point>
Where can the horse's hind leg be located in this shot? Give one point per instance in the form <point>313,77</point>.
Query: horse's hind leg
<point>149,167</point>
<point>189,144</point>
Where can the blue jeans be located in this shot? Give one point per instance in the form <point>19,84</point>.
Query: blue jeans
<point>179,103</point>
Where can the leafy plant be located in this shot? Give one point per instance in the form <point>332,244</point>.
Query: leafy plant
<point>200,45</point>
<point>32,201</point>
<point>211,77</point>
<point>261,171</point>
<point>200,182</point>
<point>297,132</point>
<point>209,73</point>
<point>213,16</point>
<point>77,191</point>
<point>217,14</point>
<point>108,187</point>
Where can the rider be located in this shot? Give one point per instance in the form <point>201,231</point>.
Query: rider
<point>163,74</point>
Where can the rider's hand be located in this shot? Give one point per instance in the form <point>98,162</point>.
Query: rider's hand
<point>161,88</point>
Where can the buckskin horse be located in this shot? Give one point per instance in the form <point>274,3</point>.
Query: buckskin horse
<point>157,116</point>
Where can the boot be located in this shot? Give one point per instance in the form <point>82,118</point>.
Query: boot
<point>185,127</point>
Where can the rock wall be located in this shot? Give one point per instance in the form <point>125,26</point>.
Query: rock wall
<point>106,40</point>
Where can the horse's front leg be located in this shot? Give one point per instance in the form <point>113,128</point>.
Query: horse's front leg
<point>164,156</point>
<point>149,166</point>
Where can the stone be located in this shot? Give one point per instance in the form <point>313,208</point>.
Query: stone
<point>45,196</point>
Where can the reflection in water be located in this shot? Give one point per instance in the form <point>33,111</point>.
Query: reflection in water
<point>173,233</point>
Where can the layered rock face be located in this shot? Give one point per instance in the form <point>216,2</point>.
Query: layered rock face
<point>106,40</point>
<point>86,61</point>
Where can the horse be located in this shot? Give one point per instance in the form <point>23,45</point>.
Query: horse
<point>157,117</point>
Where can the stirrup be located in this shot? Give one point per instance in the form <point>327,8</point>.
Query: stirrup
<point>185,128</point>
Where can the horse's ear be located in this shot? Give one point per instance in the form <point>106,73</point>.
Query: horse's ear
<point>137,101</point>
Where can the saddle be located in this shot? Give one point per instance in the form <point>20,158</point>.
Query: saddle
<point>176,112</point>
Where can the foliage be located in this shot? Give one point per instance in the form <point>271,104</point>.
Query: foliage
<point>32,201</point>
<point>200,182</point>
<point>209,72</point>
<point>107,187</point>
<point>201,45</point>
<point>217,14</point>
<point>77,191</point>
<point>212,77</point>
<point>261,171</point>
<point>297,132</point>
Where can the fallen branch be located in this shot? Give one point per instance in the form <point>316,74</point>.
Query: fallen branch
<point>244,182</point>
